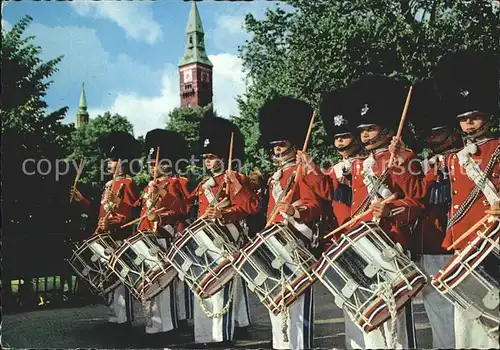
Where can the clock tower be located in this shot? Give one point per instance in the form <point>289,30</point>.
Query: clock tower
<point>195,69</point>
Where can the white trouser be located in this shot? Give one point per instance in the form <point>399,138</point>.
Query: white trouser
<point>160,313</point>
<point>241,303</point>
<point>471,334</point>
<point>216,329</point>
<point>184,300</point>
<point>120,305</point>
<point>439,310</point>
<point>298,333</point>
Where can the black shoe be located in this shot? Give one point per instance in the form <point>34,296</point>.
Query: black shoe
<point>182,324</point>
<point>241,333</point>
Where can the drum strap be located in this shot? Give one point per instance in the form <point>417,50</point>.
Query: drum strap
<point>372,193</point>
<point>283,193</point>
<point>471,198</point>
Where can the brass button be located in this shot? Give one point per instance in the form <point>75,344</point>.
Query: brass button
<point>454,179</point>
<point>452,167</point>
<point>455,206</point>
<point>354,190</point>
<point>455,192</point>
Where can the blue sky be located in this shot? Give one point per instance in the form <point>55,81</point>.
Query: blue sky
<point>127,52</point>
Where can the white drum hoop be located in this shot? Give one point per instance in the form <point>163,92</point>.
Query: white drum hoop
<point>95,265</point>
<point>276,288</point>
<point>141,264</point>
<point>202,256</point>
<point>465,283</point>
<point>369,275</point>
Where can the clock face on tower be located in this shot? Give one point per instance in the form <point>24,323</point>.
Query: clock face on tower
<point>205,77</point>
<point>187,76</point>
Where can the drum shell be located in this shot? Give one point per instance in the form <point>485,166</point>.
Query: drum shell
<point>202,256</point>
<point>470,279</point>
<point>274,259</point>
<point>354,268</point>
<point>90,261</point>
<point>141,264</point>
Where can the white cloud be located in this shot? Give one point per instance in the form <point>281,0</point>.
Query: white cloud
<point>136,18</point>
<point>106,76</point>
<point>6,25</point>
<point>147,113</point>
<point>232,24</point>
<point>228,83</point>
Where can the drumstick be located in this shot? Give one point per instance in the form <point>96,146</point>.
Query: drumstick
<point>299,170</point>
<point>77,177</point>
<point>142,217</point>
<point>230,160</point>
<point>469,231</point>
<point>359,216</point>
<point>155,171</point>
<point>402,121</point>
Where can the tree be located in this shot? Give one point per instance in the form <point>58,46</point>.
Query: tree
<point>33,199</point>
<point>86,146</point>
<point>186,121</point>
<point>325,44</point>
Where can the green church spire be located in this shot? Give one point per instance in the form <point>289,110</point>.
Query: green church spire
<point>82,116</point>
<point>195,40</point>
<point>82,107</point>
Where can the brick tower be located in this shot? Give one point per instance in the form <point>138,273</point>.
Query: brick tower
<point>195,69</point>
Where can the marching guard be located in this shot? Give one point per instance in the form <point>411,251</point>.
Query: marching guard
<point>116,208</point>
<point>468,83</point>
<point>434,128</point>
<point>376,103</point>
<point>335,113</point>
<point>164,214</point>
<point>283,123</point>
<point>225,196</point>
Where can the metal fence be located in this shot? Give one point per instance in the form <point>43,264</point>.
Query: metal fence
<point>35,273</point>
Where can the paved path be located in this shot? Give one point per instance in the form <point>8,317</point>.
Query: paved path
<point>87,327</point>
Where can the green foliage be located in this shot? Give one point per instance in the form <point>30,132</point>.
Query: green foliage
<point>32,201</point>
<point>325,44</point>
<point>186,121</point>
<point>86,145</point>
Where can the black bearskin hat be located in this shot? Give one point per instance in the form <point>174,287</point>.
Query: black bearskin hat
<point>335,113</point>
<point>172,145</point>
<point>468,81</point>
<point>377,99</point>
<point>284,118</point>
<point>426,110</point>
<point>215,138</point>
<point>120,145</point>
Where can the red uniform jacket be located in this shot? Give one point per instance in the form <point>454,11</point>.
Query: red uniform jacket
<point>175,211</point>
<point>184,186</point>
<point>304,198</point>
<point>240,204</point>
<point>336,187</point>
<point>399,179</point>
<point>430,232</point>
<point>126,189</point>
<point>462,186</point>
